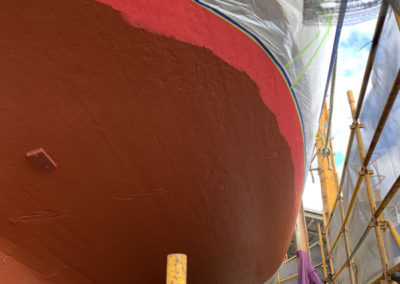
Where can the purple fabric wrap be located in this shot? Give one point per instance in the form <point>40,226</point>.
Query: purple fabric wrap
<point>307,272</point>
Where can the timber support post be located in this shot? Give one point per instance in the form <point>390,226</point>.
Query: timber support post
<point>176,268</point>
<point>301,231</point>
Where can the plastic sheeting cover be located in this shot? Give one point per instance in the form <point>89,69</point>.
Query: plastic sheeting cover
<point>385,163</point>
<point>386,158</point>
<point>302,51</point>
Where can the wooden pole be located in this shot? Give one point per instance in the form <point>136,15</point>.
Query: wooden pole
<point>321,245</point>
<point>301,231</point>
<point>335,184</point>
<point>347,244</point>
<point>176,268</point>
<point>330,257</point>
<point>394,233</point>
<point>326,176</point>
<point>393,190</point>
<point>279,279</point>
<point>327,181</point>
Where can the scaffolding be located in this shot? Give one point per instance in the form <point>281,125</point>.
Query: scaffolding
<point>347,232</point>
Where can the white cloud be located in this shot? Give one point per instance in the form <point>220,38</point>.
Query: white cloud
<point>365,27</point>
<point>312,193</point>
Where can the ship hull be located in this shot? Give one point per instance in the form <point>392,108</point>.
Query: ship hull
<point>163,145</point>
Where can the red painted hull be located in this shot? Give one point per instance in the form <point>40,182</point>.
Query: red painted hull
<point>172,132</point>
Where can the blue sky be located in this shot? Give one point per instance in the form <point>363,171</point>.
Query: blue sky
<point>352,56</point>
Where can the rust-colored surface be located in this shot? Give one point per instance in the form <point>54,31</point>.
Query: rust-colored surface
<point>13,272</point>
<point>164,147</point>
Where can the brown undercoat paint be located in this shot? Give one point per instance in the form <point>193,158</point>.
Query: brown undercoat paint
<point>161,147</point>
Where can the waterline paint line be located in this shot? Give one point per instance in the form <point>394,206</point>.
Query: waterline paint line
<point>199,19</point>
<point>274,60</point>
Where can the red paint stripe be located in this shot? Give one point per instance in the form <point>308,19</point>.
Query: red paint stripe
<point>191,23</point>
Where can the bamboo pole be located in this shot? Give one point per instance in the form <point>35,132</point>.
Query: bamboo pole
<point>329,185</point>
<point>397,18</point>
<point>376,220</point>
<point>368,68</point>
<point>327,179</point>
<point>345,228</point>
<point>382,120</point>
<point>378,212</point>
<point>321,245</point>
<point>349,258</point>
<point>296,274</point>
<point>176,268</point>
<point>326,176</point>
<point>340,270</point>
<point>394,269</point>
<point>318,265</point>
<point>314,244</point>
<point>347,245</point>
<point>394,233</point>
<point>361,240</point>
<point>367,179</point>
<point>345,163</point>
<point>391,271</point>
<point>371,57</point>
<point>392,230</point>
<point>289,259</point>
<point>290,277</point>
<point>393,190</point>
<point>348,212</point>
<point>330,257</point>
<point>345,231</point>
<point>378,132</point>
